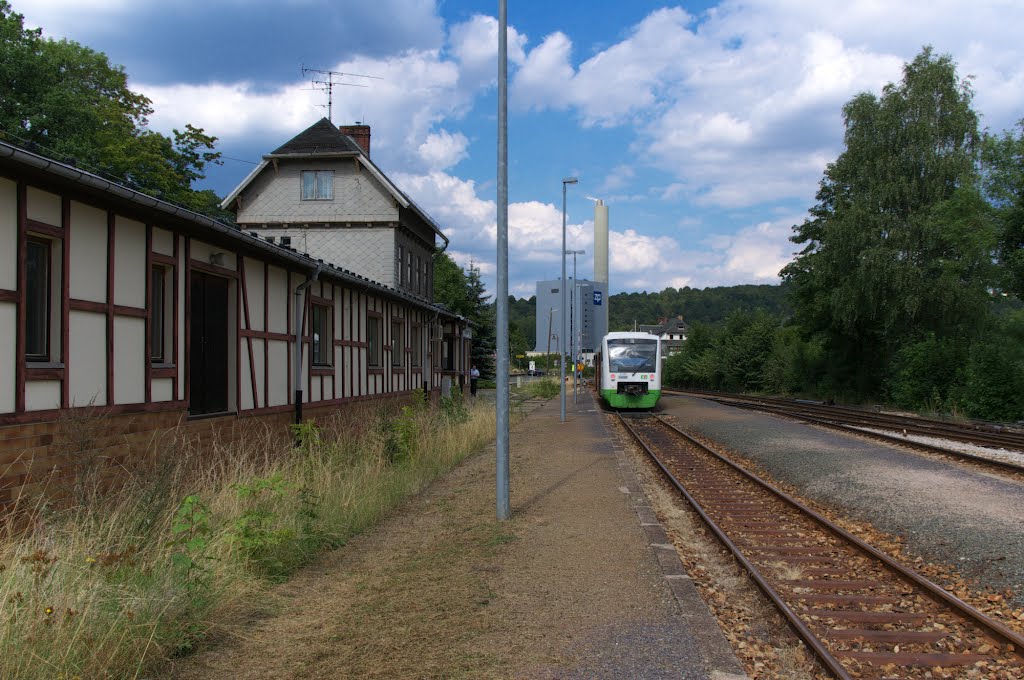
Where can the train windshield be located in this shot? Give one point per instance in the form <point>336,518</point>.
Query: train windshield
<point>632,355</point>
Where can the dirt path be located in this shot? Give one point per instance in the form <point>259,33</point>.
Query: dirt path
<point>566,588</point>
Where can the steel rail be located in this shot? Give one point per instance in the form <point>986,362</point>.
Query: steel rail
<point>971,432</point>
<point>998,630</point>
<point>881,436</point>
<point>995,627</point>
<point>908,424</point>
<point>805,633</point>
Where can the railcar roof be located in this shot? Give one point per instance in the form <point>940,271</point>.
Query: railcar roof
<point>617,335</point>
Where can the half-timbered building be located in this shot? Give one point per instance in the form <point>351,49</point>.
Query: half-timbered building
<point>115,303</point>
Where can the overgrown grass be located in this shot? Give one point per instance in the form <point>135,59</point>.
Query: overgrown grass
<point>127,578</point>
<point>543,389</point>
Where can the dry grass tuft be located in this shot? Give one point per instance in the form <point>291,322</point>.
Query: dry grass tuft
<point>121,579</point>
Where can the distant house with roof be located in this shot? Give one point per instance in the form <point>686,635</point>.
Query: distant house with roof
<point>321,194</point>
<point>672,331</point>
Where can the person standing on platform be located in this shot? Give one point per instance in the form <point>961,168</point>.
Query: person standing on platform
<point>474,377</point>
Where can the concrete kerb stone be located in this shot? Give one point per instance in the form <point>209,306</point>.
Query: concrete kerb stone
<point>719,657</point>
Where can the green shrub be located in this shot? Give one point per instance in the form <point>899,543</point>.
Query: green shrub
<point>925,374</point>
<point>994,377</point>
<point>543,389</point>
<point>453,407</point>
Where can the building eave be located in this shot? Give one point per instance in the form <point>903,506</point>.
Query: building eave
<point>197,224</point>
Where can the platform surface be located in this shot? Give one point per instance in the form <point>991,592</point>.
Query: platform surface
<point>581,581</point>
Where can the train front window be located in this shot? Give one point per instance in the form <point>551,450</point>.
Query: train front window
<point>632,355</point>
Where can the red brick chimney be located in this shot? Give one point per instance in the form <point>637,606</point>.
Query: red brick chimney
<point>359,133</point>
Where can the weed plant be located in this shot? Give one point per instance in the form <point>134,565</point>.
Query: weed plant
<point>543,389</point>
<point>119,580</point>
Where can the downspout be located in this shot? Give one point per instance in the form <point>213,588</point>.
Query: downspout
<point>300,319</point>
<point>429,382</point>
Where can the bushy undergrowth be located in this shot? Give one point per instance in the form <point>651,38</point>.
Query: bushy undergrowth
<point>543,389</point>
<point>124,579</point>
<point>979,375</point>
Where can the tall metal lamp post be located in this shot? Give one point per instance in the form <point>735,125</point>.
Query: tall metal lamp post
<point>565,306</point>
<point>503,508</point>
<point>573,308</point>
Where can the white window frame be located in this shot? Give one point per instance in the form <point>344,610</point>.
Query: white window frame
<point>323,183</point>
<point>161,319</point>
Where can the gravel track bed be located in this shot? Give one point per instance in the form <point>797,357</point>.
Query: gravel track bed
<point>947,513</point>
<point>1005,455</point>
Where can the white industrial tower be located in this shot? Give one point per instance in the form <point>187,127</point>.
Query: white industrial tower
<point>601,251</point>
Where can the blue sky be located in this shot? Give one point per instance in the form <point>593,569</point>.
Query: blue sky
<point>705,127</point>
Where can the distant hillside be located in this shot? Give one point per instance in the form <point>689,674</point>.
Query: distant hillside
<point>708,305</point>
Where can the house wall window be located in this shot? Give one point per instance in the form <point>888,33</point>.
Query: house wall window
<point>159,314</point>
<point>416,341</point>
<point>397,349</point>
<point>317,185</point>
<point>398,266</point>
<point>374,349</point>
<point>323,341</point>
<point>37,300</point>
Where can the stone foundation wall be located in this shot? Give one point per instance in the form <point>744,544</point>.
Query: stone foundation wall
<point>44,460</point>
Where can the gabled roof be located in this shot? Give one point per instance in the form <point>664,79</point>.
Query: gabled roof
<point>319,138</point>
<point>323,140</point>
<point>672,325</point>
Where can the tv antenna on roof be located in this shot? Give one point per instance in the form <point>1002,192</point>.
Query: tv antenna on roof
<point>327,83</point>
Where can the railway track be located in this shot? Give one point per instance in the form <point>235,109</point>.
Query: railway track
<point>855,420</point>
<point>862,613</point>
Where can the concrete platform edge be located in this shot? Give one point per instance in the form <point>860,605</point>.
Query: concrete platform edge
<point>719,658</point>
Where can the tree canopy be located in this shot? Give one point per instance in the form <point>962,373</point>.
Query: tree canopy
<point>1003,165</point>
<point>70,102</point>
<point>900,243</point>
<point>462,292</point>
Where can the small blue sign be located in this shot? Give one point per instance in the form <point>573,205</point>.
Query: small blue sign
<point>597,297</point>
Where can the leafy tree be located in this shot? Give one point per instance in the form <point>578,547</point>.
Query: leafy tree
<point>463,293</point>
<point>994,375</point>
<point>451,286</point>
<point>69,101</point>
<point>696,365</point>
<point>926,373</point>
<point>484,323</point>
<point>900,242</point>
<point>710,305</point>
<point>522,315</point>
<point>745,348</point>
<point>795,363</point>
<point>1003,161</point>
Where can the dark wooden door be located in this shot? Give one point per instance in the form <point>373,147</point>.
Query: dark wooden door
<point>208,345</point>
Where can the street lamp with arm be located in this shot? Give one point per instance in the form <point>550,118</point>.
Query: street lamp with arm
<point>566,181</point>
<point>573,309</point>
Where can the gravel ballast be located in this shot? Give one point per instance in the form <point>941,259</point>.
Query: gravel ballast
<point>946,512</point>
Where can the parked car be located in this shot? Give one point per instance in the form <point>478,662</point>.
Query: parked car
<point>536,372</point>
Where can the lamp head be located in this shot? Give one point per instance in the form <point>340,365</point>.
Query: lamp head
<point>570,180</point>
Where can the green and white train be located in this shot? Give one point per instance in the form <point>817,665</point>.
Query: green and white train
<point>630,370</point>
